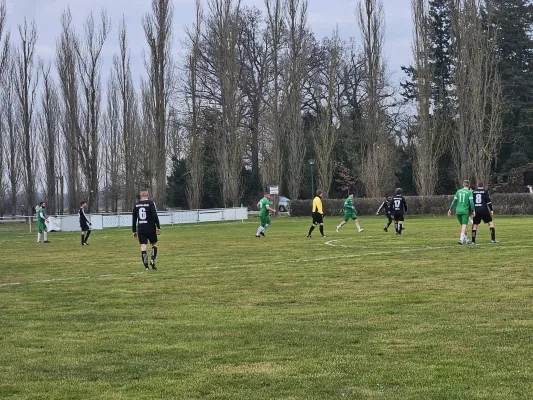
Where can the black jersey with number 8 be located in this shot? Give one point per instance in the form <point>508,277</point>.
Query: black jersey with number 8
<point>145,216</point>
<point>482,200</point>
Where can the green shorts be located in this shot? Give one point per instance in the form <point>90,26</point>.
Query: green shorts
<point>350,215</point>
<point>265,220</point>
<point>463,219</point>
<point>41,226</point>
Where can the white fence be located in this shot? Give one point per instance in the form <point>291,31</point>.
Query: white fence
<point>68,223</point>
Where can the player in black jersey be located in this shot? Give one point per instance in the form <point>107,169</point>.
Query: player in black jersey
<point>85,224</point>
<point>145,215</point>
<point>484,212</point>
<point>399,208</point>
<point>387,206</point>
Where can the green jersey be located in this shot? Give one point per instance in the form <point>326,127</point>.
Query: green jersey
<point>464,200</point>
<point>348,205</point>
<point>263,204</point>
<point>41,215</point>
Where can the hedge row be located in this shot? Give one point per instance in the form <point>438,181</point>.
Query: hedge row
<point>504,204</point>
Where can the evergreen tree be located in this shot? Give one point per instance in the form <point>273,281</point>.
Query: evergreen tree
<point>513,20</point>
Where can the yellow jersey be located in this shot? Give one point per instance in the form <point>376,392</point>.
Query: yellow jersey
<point>317,205</point>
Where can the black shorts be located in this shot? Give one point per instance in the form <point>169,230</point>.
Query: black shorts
<point>389,216</point>
<point>144,238</point>
<point>398,217</point>
<point>85,227</point>
<point>318,218</point>
<point>485,217</point>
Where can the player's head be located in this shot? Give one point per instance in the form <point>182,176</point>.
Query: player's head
<point>398,191</point>
<point>144,194</point>
<point>267,195</point>
<point>319,193</point>
<point>388,198</point>
<point>480,185</point>
<point>466,183</point>
<point>351,195</point>
<point>42,204</point>
<point>83,204</point>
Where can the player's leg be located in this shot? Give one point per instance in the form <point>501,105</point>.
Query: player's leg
<point>321,227</point>
<point>474,232</point>
<point>492,232</point>
<point>39,235</point>
<point>261,228</point>
<point>143,241</point>
<point>359,229</point>
<point>83,233</point>
<point>266,224</point>
<point>313,225</point>
<point>400,227</point>
<point>389,218</point>
<point>87,235</point>
<point>346,218</point>
<point>45,235</point>
<point>153,255</point>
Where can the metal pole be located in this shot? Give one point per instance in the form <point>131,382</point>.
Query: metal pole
<point>312,183</point>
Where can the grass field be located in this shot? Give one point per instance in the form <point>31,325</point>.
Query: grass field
<point>229,316</point>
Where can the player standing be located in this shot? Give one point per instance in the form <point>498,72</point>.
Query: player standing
<point>42,219</point>
<point>399,208</point>
<point>350,212</point>
<point>483,212</point>
<point>145,215</point>
<point>85,224</point>
<point>318,214</point>
<point>264,214</point>
<point>464,203</point>
<point>387,206</point>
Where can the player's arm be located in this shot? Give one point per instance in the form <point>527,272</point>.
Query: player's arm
<point>134,221</point>
<point>489,203</point>
<point>43,216</point>
<point>380,208</point>
<point>452,206</point>
<point>156,218</point>
<point>405,205</point>
<point>472,206</point>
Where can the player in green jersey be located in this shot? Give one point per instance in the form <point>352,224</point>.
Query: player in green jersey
<point>464,203</point>
<point>350,213</point>
<point>264,214</point>
<point>42,219</point>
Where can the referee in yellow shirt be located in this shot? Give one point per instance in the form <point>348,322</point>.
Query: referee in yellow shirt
<point>318,214</point>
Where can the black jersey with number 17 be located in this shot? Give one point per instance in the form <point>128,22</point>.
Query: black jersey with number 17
<point>399,205</point>
<point>482,201</point>
<point>145,216</point>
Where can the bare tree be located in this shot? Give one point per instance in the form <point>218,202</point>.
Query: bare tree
<point>127,118</point>
<point>195,150</point>
<point>66,62</point>
<point>478,91</point>
<point>26,84</point>
<point>48,122</point>
<point>295,69</point>
<point>377,148</point>
<point>158,31</point>
<point>221,67</point>
<point>325,133</point>
<point>4,43</point>
<point>273,138</point>
<point>429,137</point>
<point>88,53</point>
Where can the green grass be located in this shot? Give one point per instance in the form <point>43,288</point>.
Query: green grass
<point>229,316</point>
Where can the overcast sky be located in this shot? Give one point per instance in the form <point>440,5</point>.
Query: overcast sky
<point>324,15</point>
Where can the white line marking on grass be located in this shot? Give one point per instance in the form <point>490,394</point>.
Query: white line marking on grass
<point>72,278</point>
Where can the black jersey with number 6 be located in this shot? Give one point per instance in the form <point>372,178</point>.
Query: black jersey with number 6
<point>145,215</point>
<point>399,205</point>
<point>482,201</point>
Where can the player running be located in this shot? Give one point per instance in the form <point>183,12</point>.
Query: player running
<point>318,214</point>
<point>399,208</point>
<point>483,212</point>
<point>85,224</point>
<point>42,220</point>
<point>264,214</point>
<point>350,212</point>
<point>387,206</point>
<point>145,215</point>
<point>464,203</point>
